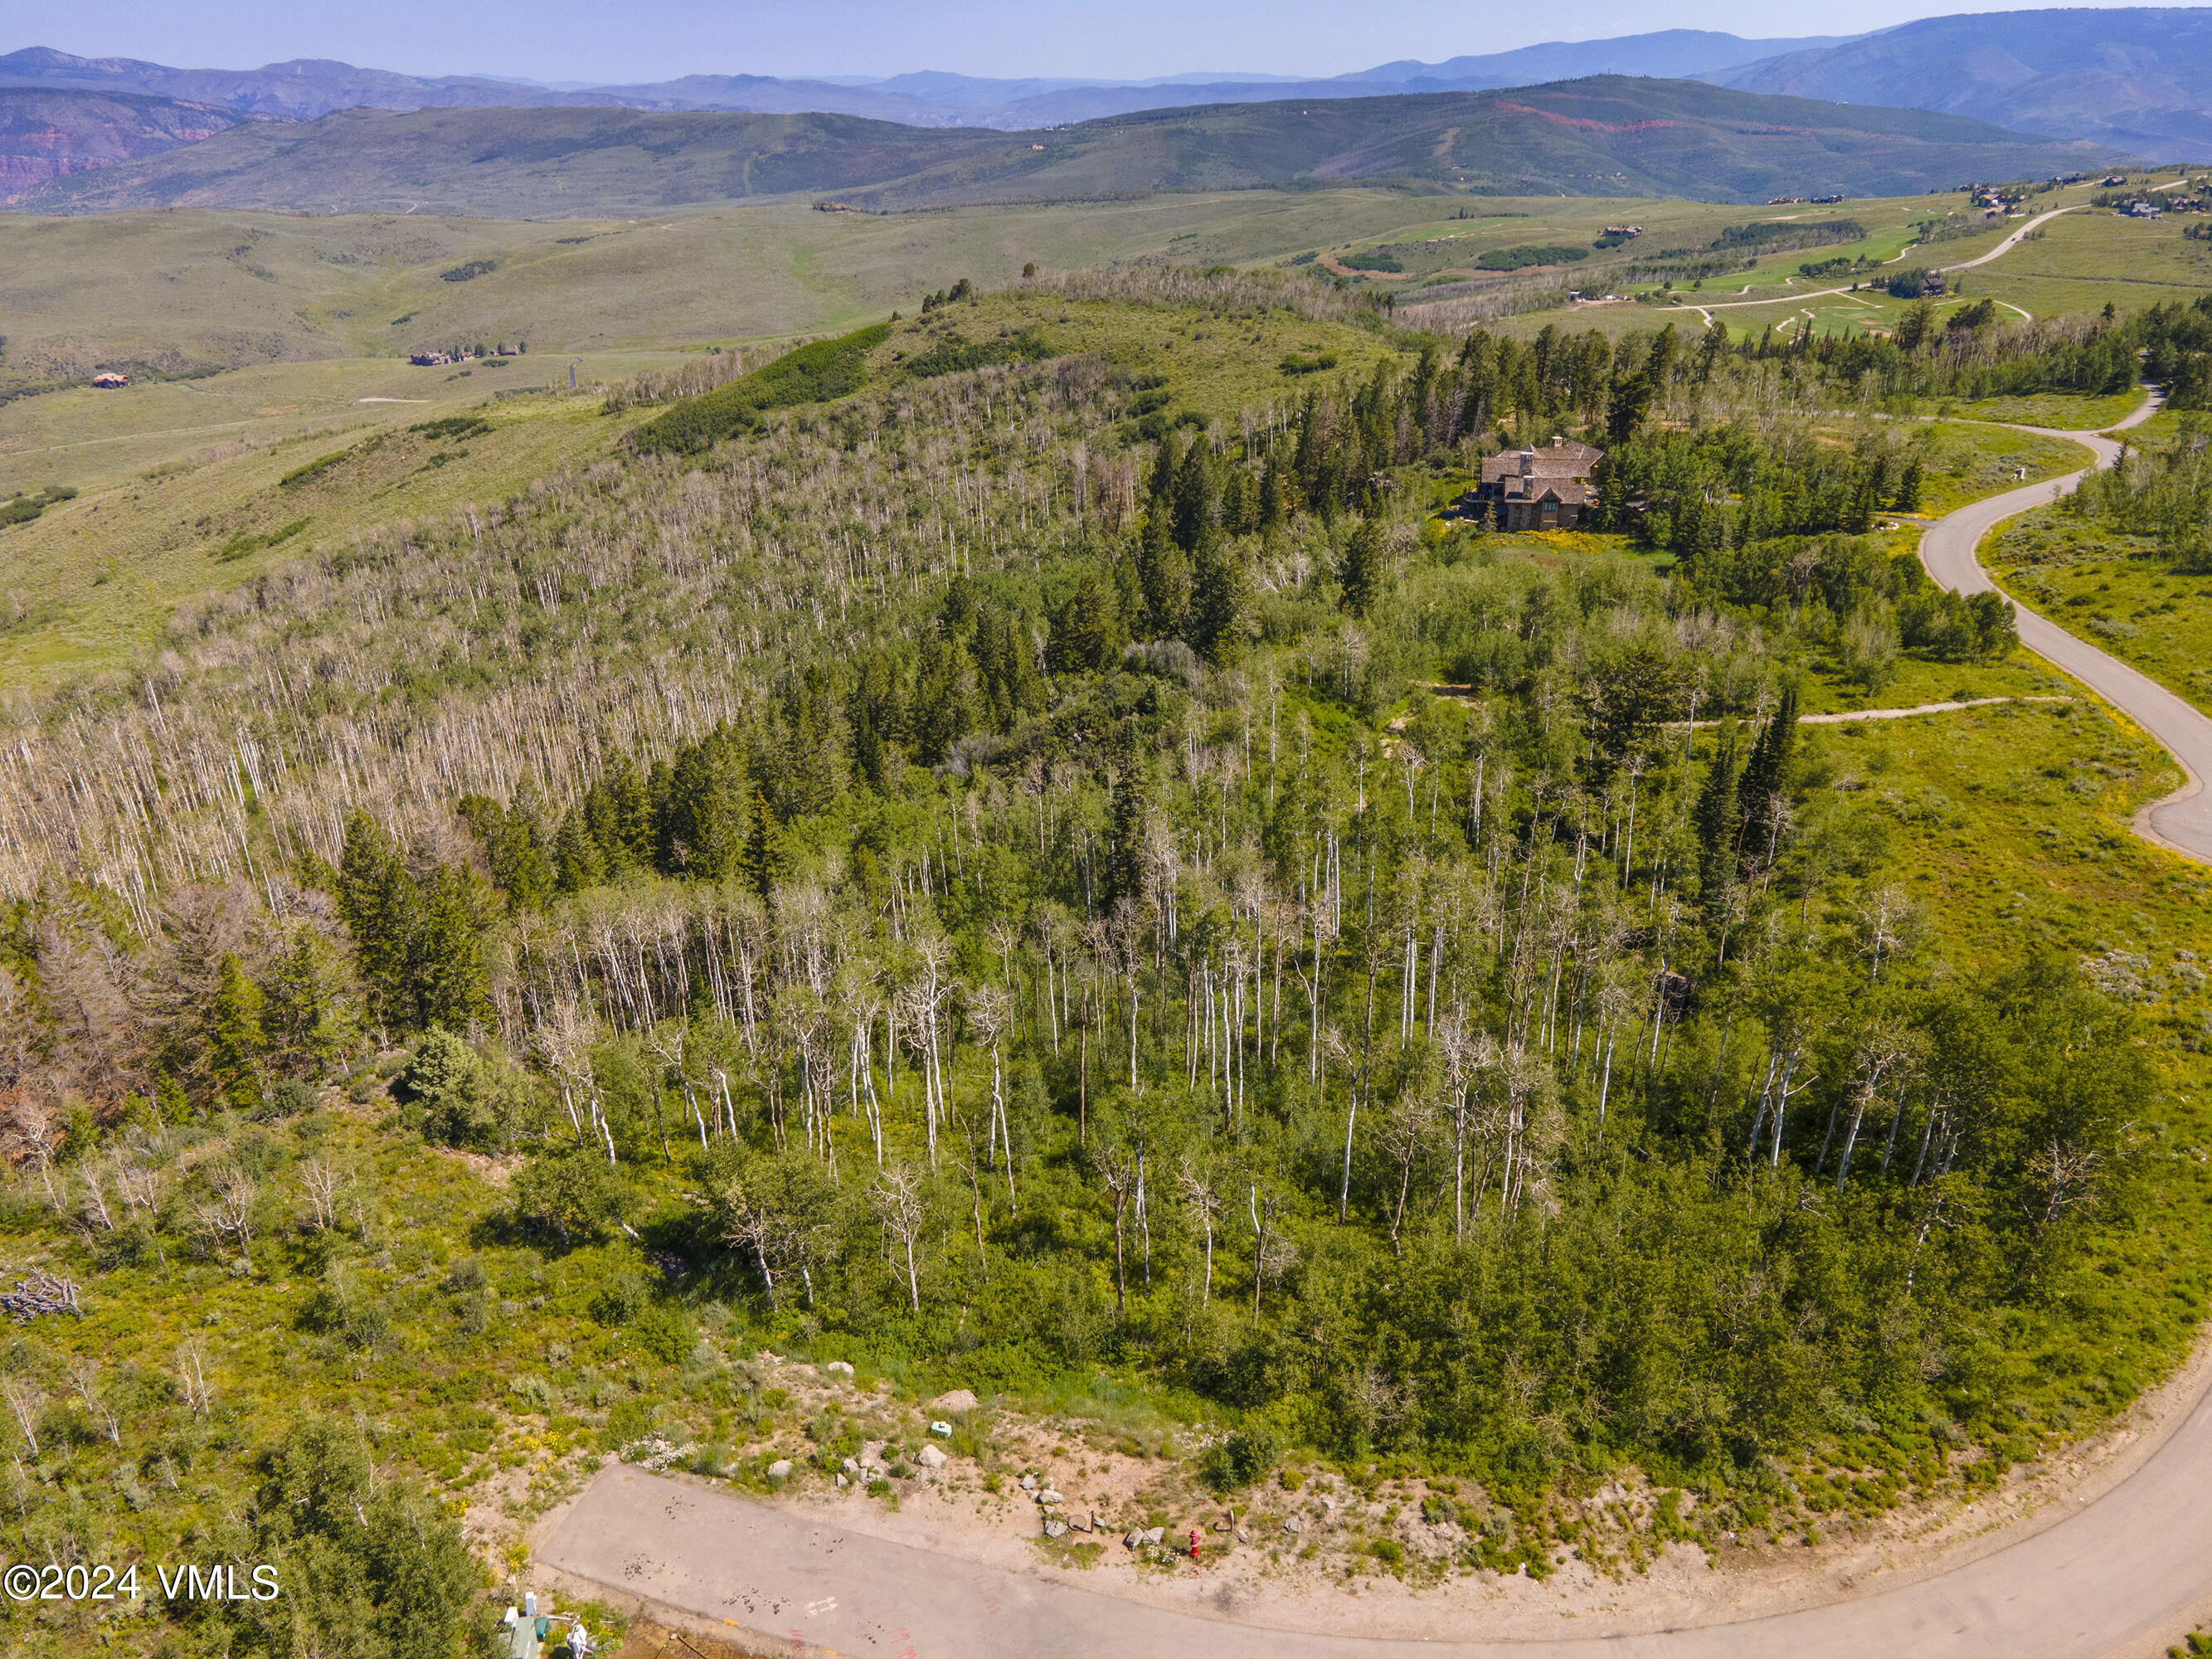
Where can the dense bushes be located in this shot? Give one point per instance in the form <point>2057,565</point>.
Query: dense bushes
<point>812,374</point>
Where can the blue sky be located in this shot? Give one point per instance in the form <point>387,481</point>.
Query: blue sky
<point>655,39</point>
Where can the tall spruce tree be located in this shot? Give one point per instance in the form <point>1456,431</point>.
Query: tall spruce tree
<point>1359,570</point>
<point>380,906</point>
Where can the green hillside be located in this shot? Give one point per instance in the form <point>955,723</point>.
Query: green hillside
<point>1607,135</point>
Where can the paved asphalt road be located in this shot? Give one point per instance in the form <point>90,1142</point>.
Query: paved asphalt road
<point>2125,1573</point>
<point>2183,821</point>
<point>2118,1574</point>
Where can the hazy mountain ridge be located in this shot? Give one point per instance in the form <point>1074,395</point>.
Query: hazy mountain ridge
<point>1610,135</point>
<point>304,88</point>
<point>46,133</point>
<point>2140,78</point>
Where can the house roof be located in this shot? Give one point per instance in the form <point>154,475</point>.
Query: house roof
<point>1556,462</point>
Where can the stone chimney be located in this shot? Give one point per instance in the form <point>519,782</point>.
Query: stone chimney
<point>1528,462</point>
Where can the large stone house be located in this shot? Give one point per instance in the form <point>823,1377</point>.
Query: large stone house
<point>1546,488</point>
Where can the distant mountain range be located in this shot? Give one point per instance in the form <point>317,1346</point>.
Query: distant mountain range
<point>2138,77</point>
<point>2135,81</point>
<point>45,134</point>
<point>1602,135</point>
<point>307,88</point>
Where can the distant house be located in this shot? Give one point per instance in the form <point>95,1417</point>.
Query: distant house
<point>1624,231</point>
<point>1547,488</point>
<point>109,382</point>
<point>432,359</point>
<point>2113,179</point>
<point>1824,200</point>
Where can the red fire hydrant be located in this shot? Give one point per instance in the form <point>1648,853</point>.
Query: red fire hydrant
<point>1194,1543</point>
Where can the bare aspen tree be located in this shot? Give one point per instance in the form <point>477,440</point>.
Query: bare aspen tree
<point>320,1180</point>
<point>25,1403</point>
<point>84,1379</point>
<point>901,1200</point>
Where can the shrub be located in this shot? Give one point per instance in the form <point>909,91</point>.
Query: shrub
<point>1520,259</point>
<point>1242,1460</point>
<point>665,1331</point>
<point>812,374</point>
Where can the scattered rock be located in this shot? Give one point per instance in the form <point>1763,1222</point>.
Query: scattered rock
<point>931,1457</point>
<point>779,1470</point>
<point>942,1431</point>
<point>1153,1535</point>
<point>960,1400</point>
<point>1054,1529</point>
<point>838,1367</point>
<point>1134,1540</point>
<point>1029,1483</point>
<point>850,1467</point>
<point>1293,1525</point>
<point>841,1483</point>
<point>1048,1497</point>
<point>1243,1536</point>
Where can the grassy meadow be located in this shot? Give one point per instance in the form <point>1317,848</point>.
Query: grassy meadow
<point>2116,590</point>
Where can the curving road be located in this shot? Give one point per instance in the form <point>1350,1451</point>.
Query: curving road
<point>2120,1575</point>
<point>2012,240</point>
<point>2181,823</point>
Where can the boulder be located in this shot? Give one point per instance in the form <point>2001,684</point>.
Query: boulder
<point>1029,1483</point>
<point>779,1470</point>
<point>1293,1525</point>
<point>1054,1529</point>
<point>1153,1535</point>
<point>838,1367</point>
<point>960,1400</point>
<point>1048,1497</point>
<point>850,1467</point>
<point>1135,1538</point>
<point>931,1457</point>
<point>842,1483</point>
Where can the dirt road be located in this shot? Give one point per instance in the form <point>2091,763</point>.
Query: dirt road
<point>2123,1574</point>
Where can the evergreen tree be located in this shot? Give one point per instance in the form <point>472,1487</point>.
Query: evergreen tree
<point>1125,849</point>
<point>703,815</point>
<point>1764,775</point>
<point>1908,488</point>
<point>577,862</point>
<point>1360,569</point>
<point>1631,404</point>
<point>307,1016</point>
<point>1718,822</point>
<point>1194,504</point>
<point>759,867</point>
<point>235,1039</point>
<point>447,962</point>
<point>1165,573</point>
<point>1219,598</point>
<point>1086,633</point>
<point>379,904</point>
<point>1274,499</point>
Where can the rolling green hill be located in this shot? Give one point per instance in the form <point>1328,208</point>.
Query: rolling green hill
<point>1608,135</point>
